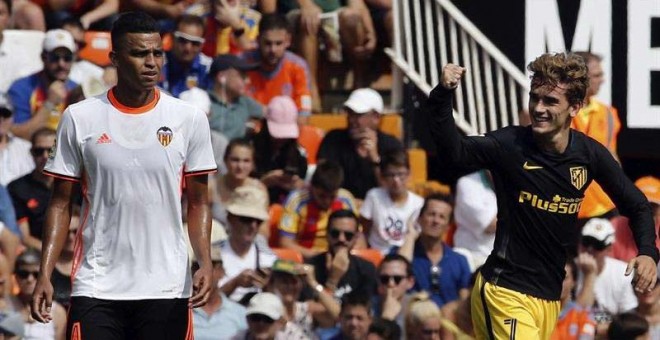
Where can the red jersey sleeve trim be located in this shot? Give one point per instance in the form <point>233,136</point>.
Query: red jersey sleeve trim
<point>133,110</point>
<point>200,172</point>
<point>64,177</point>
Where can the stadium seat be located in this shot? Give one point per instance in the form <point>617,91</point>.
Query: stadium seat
<point>328,121</point>
<point>97,48</point>
<point>418,170</point>
<point>288,254</point>
<point>275,213</point>
<point>372,255</point>
<point>310,138</point>
<point>389,123</point>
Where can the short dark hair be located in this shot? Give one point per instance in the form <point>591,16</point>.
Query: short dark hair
<point>42,132</point>
<point>328,176</point>
<point>189,19</point>
<point>5,111</point>
<point>239,141</point>
<point>396,257</point>
<point>627,326</point>
<point>132,22</point>
<point>394,158</point>
<point>356,298</point>
<point>436,197</point>
<point>274,21</point>
<point>385,329</point>
<point>342,213</point>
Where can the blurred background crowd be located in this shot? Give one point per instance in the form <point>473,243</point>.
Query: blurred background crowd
<point>325,225</point>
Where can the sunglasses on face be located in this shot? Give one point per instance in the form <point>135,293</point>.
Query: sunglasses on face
<point>184,38</point>
<point>248,220</point>
<point>39,151</point>
<point>590,242</point>
<point>24,274</point>
<point>259,318</point>
<point>55,57</point>
<point>386,279</point>
<point>348,235</point>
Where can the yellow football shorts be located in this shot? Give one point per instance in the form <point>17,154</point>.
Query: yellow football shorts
<point>501,313</point>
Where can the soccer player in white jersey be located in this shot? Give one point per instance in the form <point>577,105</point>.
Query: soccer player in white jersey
<point>132,149</point>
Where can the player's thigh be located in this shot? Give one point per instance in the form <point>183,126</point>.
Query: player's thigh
<point>161,319</point>
<point>90,318</point>
<point>500,313</point>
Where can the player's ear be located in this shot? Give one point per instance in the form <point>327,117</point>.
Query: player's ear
<point>113,58</point>
<point>574,109</point>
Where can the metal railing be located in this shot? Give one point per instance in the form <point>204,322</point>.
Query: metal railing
<point>431,33</point>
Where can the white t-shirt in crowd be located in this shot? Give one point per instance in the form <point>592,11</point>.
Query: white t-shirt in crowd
<point>131,163</point>
<point>235,264</point>
<point>613,290</point>
<point>389,219</point>
<point>474,210</point>
<point>15,160</point>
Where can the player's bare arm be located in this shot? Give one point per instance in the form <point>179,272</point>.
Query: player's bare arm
<point>199,230</point>
<point>56,228</point>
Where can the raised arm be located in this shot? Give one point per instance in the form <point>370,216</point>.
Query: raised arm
<point>467,152</point>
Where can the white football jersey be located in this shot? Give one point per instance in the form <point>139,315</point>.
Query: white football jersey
<point>131,163</point>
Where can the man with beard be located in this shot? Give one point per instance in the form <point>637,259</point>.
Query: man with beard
<point>281,73</point>
<point>39,99</point>
<point>337,270</point>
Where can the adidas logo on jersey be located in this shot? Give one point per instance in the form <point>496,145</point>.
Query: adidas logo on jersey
<point>104,139</point>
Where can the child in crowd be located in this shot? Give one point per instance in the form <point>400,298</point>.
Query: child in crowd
<point>387,209</point>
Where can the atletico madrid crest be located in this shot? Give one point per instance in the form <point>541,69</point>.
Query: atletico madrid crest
<point>578,176</point>
<point>165,135</point>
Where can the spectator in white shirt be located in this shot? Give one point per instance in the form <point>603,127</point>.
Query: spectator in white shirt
<point>388,209</point>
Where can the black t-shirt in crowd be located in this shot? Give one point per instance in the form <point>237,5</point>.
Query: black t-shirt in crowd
<point>30,198</point>
<point>360,276</point>
<point>359,174</point>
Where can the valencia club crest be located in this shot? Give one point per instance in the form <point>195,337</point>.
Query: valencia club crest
<point>165,135</point>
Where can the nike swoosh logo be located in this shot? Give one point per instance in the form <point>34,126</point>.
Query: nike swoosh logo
<point>531,167</point>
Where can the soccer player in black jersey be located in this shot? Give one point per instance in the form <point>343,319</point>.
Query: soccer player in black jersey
<point>540,174</point>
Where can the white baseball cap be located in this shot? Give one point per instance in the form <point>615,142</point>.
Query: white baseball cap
<point>600,229</point>
<point>365,100</point>
<point>267,304</point>
<point>59,38</point>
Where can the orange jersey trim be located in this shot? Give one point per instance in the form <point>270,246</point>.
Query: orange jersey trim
<point>64,177</point>
<point>133,110</point>
<point>201,172</point>
<point>75,331</point>
<point>189,333</point>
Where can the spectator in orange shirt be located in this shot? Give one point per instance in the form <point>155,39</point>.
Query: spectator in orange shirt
<point>600,122</point>
<point>281,73</point>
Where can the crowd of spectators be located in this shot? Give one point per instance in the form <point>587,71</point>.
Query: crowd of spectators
<point>253,67</point>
